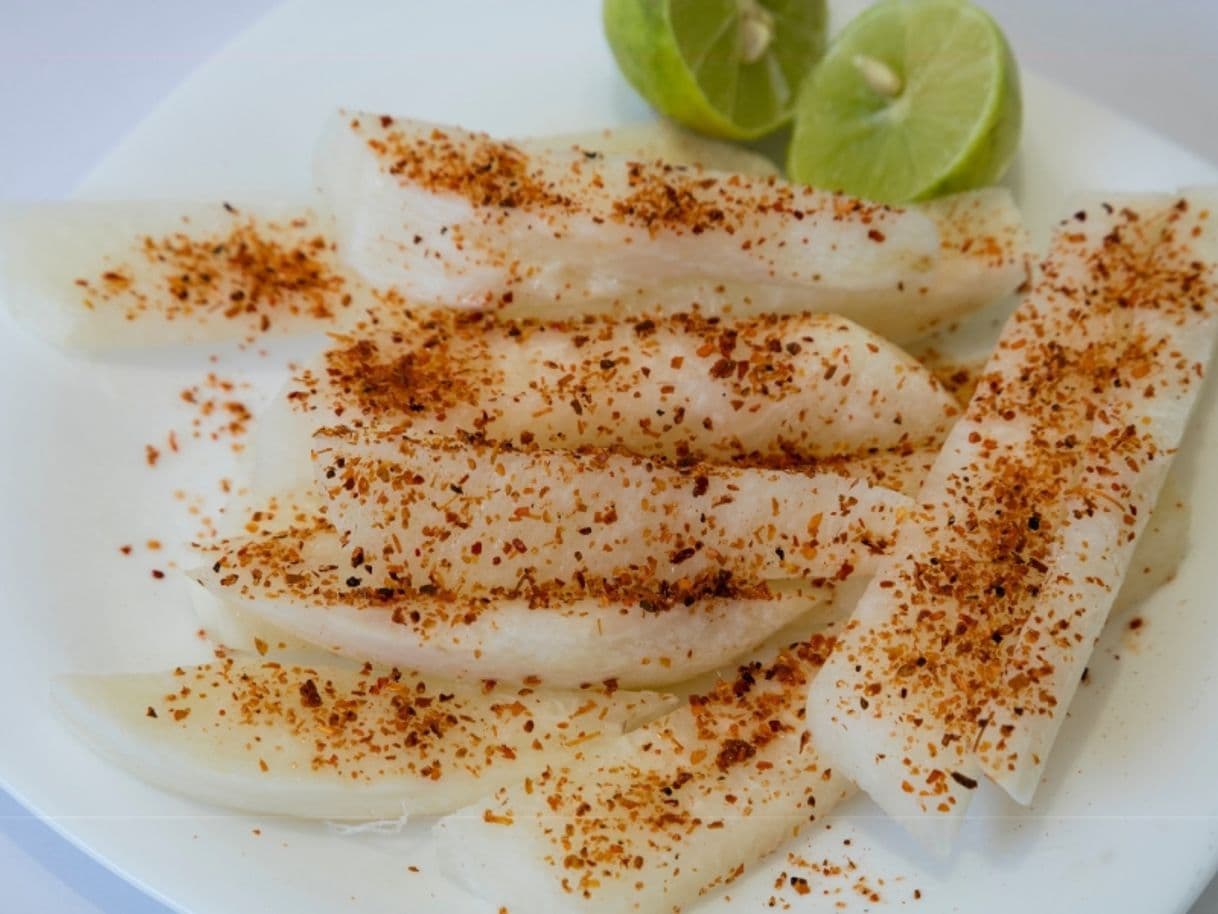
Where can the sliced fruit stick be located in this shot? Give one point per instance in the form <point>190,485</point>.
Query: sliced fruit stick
<point>1154,563</point>
<point>1161,546</point>
<point>984,615</point>
<point>444,215</point>
<point>303,582</point>
<point>465,516</point>
<point>651,821</point>
<point>660,140</point>
<point>760,391</point>
<point>1163,261</point>
<point>102,275</point>
<point>335,741</point>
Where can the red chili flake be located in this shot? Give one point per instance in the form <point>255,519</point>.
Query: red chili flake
<point>964,780</point>
<point>733,752</point>
<point>309,696</point>
<point>157,573</point>
<point>682,555</point>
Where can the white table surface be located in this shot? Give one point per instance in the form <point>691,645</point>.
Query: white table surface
<point>76,75</point>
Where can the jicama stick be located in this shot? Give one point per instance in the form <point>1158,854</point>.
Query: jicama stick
<point>335,741</point>
<point>653,820</point>
<point>461,516</point>
<point>965,650</point>
<point>302,581</point>
<point>103,275</point>
<point>760,391</point>
<point>1165,321</point>
<point>442,214</point>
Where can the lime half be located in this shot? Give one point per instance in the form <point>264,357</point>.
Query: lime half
<point>730,68</point>
<point>916,98</point>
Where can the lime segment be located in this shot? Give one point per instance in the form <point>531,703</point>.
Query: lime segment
<point>915,99</point>
<point>729,68</point>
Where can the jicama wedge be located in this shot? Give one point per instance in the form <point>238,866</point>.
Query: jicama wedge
<point>335,742</point>
<point>966,649</point>
<point>759,391</point>
<point>445,215</point>
<point>1164,324</point>
<point>659,140</point>
<point>101,275</point>
<point>463,516</point>
<point>651,821</point>
<point>302,582</point>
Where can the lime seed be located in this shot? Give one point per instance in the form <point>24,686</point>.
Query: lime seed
<point>878,76</point>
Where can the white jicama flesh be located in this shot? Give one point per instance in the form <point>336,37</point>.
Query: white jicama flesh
<point>336,741</point>
<point>772,390</point>
<point>660,140</point>
<point>463,516</point>
<point>87,275</point>
<point>1163,329</point>
<point>964,653</point>
<point>445,215</point>
<point>651,821</point>
<point>302,582</point>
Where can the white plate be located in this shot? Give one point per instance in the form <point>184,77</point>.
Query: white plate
<point>1127,818</point>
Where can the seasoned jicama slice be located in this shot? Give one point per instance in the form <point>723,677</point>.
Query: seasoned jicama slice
<point>335,741</point>
<point>1165,322</point>
<point>965,651</point>
<point>681,385</point>
<point>767,390</point>
<point>101,275</point>
<point>652,820</point>
<point>303,582</point>
<point>465,516</point>
<point>660,140</point>
<point>1154,563</point>
<point>444,215</point>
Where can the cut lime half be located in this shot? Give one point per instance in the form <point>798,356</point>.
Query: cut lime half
<point>915,99</point>
<point>729,68</point>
